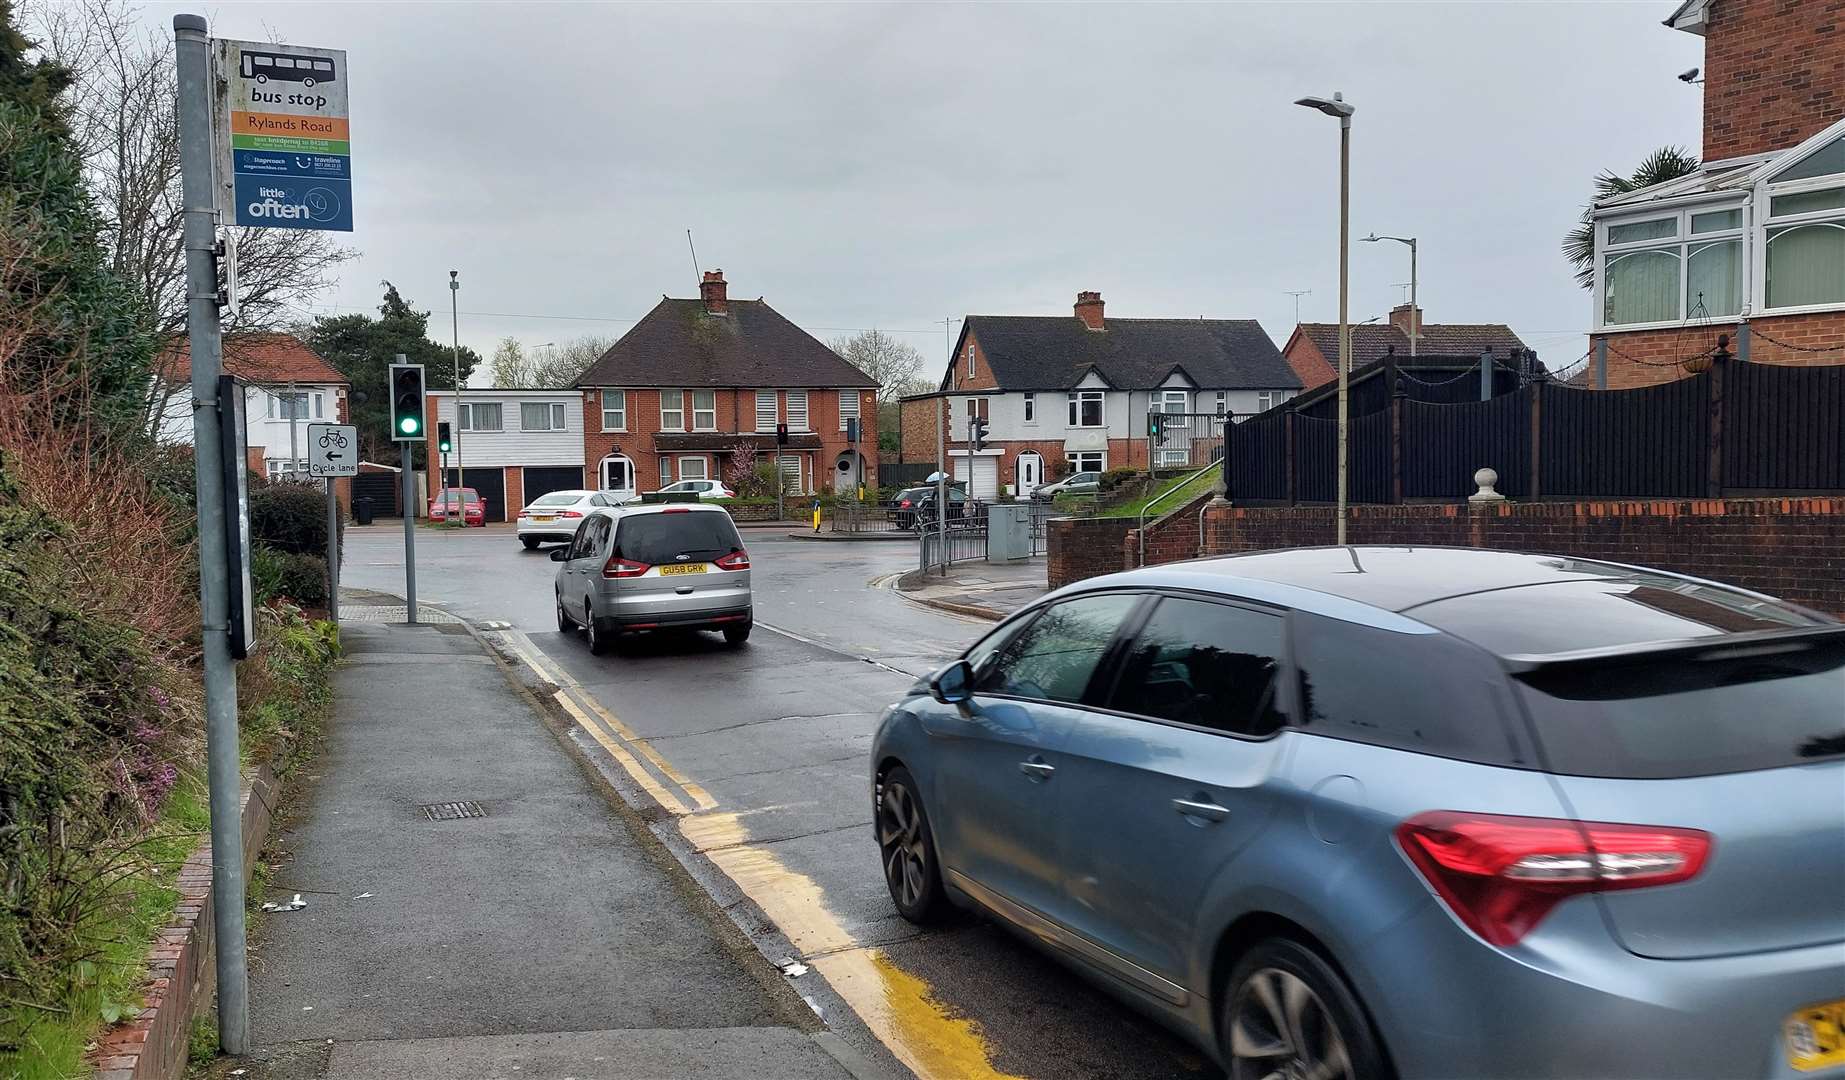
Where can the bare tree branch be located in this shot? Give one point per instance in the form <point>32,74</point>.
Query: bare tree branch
<point>895,365</point>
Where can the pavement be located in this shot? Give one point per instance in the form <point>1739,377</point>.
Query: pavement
<point>749,766</point>
<point>981,590</point>
<point>538,931</point>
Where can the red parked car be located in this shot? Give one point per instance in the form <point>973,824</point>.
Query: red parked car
<point>465,500</point>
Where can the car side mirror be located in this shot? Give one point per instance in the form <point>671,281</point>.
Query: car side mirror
<point>560,554</point>
<point>954,685</point>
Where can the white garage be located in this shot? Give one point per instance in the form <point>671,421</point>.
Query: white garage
<point>983,483</point>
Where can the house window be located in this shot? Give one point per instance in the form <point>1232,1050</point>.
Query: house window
<point>541,416</point>
<point>1086,408</point>
<point>1089,461</point>
<point>1223,402</point>
<point>848,407</point>
<point>692,468</point>
<point>614,410</point>
<point>797,410</point>
<point>1823,162</point>
<point>672,410</point>
<point>791,473</point>
<point>765,410</point>
<point>1031,408</point>
<point>480,416</point>
<point>666,471</point>
<point>1169,401</point>
<point>290,406</point>
<point>1806,249</point>
<point>970,358</point>
<point>319,402</point>
<point>704,410</point>
<point>1265,400</point>
<point>1172,457</point>
<point>976,406</point>
<point>1695,273</point>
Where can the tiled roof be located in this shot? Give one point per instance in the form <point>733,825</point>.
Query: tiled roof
<point>1437,339</point>
<point>258,358</point>
<point>752,345</point>
<point>1030,352</point>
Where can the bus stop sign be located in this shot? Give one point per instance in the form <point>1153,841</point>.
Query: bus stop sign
<point>284,159</point>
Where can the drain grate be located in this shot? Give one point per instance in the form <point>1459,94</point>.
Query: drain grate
<point>452,811</point>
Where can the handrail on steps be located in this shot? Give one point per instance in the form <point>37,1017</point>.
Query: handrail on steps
<point>1140,526</point>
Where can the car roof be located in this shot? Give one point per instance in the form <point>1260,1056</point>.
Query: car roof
<point>1498,599</point>
<point>633,509</point>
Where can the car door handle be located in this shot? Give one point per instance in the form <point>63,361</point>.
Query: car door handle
<point>1037,769</point>
<point>1209,811</point>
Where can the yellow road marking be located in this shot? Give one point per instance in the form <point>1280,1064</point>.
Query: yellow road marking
<point>896,1005</point>
<point>623,758</point>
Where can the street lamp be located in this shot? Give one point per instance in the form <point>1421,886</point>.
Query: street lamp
<point>1415,313</point>
<point>454,317</point>
<point>1340,108</point>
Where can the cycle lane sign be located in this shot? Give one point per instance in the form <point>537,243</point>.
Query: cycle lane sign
<point>333,450</point>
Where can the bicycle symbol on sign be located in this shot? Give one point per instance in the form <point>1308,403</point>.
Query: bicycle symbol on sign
<point>332,439</point>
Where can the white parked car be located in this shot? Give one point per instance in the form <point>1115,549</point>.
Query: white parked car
<point>705,489</point>
<point>554,517</point>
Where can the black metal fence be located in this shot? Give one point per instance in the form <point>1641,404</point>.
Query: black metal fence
<point>1737,429</point>
<point>905,474</point>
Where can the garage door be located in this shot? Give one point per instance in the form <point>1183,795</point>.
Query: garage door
<point>539,481</point>
<point>491,483</point>
<point>984,485</point>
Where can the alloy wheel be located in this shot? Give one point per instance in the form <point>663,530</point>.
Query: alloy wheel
<point>1281,1030</point>
<point>905,849</point>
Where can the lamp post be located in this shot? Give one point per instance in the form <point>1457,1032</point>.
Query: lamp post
<point>1415,313</point>
<point>461,476</point>
<point>1338,107</point>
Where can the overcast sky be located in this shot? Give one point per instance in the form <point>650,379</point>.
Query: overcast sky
<point>891,165</point>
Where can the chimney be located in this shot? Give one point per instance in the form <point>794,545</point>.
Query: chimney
<point>714,292</point>
<point>1404,318</point>
<point>1089,309</point>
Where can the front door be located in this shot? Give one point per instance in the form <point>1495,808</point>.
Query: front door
<point>1031,473</point>
<point>618,475</point>
<point>1169,784</point>
<point>999,793</point>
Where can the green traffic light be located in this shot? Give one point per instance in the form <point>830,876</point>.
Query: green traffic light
<point>408,425</point>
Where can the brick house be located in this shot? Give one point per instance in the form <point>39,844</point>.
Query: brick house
<point>694,379</point>
<point>1077,389</point>
<point>512,445</point>
<point>1312,350</point>
<point>1752,244</point>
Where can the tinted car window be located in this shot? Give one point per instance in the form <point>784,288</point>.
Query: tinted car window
<point>1210,665</point>
<point>584,545</point>
<point>557,498</point>
<point>662,538</point>
<point>1430,693</point>
<point>1690,715</point>
<point>1055,657</point>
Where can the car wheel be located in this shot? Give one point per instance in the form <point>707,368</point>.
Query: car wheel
<point>530,542</point>
<point>737,635</point>
<point>601,638</point>
<point>1287,1012</point>
<point>907,849</point>
<point>565,624</point>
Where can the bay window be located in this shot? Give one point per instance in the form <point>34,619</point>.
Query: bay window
<point>1805,257</point>
<point>1684,265</point>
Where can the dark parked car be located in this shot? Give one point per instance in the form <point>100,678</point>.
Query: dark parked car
<point>1356,813</point>
<point>917,505</point>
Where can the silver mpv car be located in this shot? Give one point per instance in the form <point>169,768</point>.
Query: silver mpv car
<point>679,566</point>
<point>1366,812</point>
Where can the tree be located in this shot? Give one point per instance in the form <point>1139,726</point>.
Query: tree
<point>550,367</point>
<point>75,339</point>
<point>123,115</point>
<point>512,370</point>
<point>1663,164</point>
<point>896,366</point>
<point>363,348</point>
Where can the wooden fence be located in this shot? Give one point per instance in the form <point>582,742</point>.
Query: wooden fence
<point>1738,429</point>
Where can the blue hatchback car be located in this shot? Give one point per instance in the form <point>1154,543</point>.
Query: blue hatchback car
<point>1415,812</point>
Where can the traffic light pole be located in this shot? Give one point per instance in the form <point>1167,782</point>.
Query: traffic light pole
<point>192,51</point>
<point>409,524</point>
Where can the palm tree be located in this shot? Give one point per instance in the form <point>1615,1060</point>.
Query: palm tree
<point>1663,164</point>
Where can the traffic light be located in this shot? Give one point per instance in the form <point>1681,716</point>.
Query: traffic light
<point>406,402</point>
<point>1156,424</point>
<point>781,434</point>
<point>980,433</point>
<point>442,440</point>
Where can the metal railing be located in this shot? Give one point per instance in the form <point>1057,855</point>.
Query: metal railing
<point>965,540</point>
<point>1176,440</point>
<point>1140,526</point>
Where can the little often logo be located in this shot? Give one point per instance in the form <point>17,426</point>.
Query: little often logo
<point>282,204</point>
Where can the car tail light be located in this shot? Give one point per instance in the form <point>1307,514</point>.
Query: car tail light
<point>676,510</point>
<point>904,505</point>
<point>570,514</point>
<point>618,567</point>
<point>736,560</point>
<point>1501,875</point>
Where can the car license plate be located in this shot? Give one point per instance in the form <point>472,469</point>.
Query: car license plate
<point>1816,1036</point>
<point>544,517</point>
<point>682,568</point>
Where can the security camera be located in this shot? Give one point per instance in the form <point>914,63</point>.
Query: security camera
<point>1689,76</point>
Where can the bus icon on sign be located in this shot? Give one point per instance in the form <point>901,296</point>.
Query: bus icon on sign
<point>306,70</point>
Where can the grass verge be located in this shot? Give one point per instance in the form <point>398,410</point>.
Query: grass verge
<point>1200,485</point>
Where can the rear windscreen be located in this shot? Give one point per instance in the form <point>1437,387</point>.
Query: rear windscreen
<point>662,538</point>
<point>1728,710</point>
<point>556,499</point>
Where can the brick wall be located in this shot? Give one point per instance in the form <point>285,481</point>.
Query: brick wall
<point>917,419</point>
<point>1312,366</point>
<point>1774,73</point>
<point>1648,357</point>
<point>1084,548</point>
<point>983,372</point>
<point>1786,547</point>
<point>1171,537</point>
